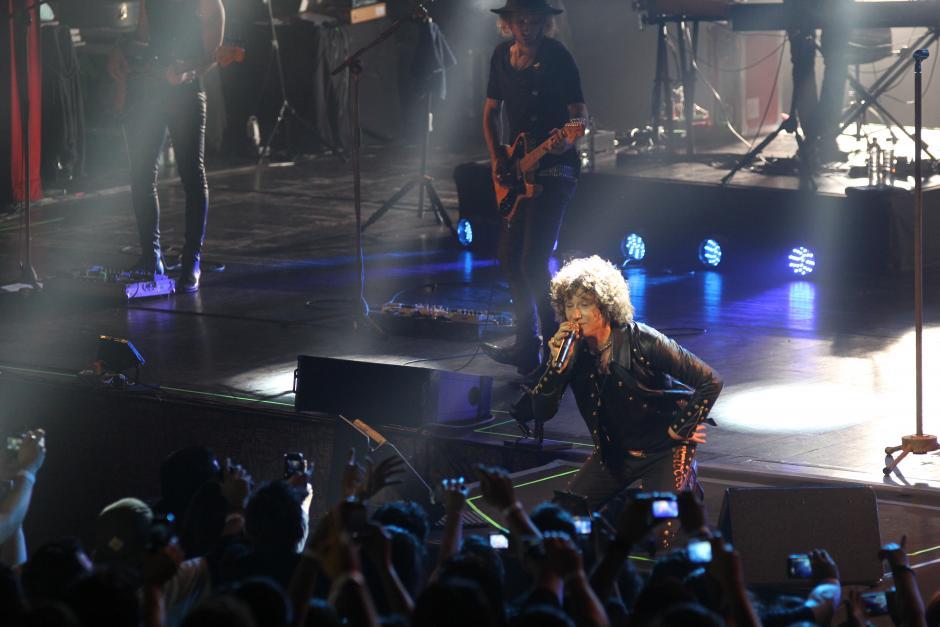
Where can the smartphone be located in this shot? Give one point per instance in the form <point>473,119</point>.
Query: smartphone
<point>876,603</point>
<point>799,566</point>
<point>294,463</point>
<point>583,525</point>
<point>14,443</point>
<point>499,542</point>
<point>700,551</point>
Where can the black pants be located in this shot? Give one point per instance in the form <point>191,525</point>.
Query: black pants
<point>819,116</point>
<point>154,108</point>
<point>525,246</point>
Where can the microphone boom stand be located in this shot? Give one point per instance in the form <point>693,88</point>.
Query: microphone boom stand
<point>918,443</point>
<point>354,64</point>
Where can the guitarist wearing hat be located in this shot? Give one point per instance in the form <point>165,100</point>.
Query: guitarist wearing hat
<point>176,43</point>
<point>535,83</point>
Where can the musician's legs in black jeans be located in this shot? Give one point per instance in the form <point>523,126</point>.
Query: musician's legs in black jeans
<point>144,132</point>
<point>835,47</point>
<point>186,118</point>
<point>803,56</point>
<point>525,246</point>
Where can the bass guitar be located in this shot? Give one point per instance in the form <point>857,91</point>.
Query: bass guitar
<point>516,181</point>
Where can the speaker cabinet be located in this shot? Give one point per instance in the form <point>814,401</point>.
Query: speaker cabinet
<point>389,394</point>
<point>768,524</point>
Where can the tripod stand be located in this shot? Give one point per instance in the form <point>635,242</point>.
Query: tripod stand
<point>286,107</point>
<point>789,125</point>
<point>423,182</point>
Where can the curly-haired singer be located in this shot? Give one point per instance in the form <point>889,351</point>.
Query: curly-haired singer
<point>642,395</point>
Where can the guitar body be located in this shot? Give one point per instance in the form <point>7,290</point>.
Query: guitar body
<point>515,185</point>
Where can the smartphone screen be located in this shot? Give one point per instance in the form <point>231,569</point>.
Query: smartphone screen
<point>499,542</point>
<point>14,443</point>
<point>583,525</point>
<point>700,551</point>
<point>875,603</point>
<point>799,567</point>
<point>665,508</point>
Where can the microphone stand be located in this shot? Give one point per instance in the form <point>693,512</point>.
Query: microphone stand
<point>918,443</point>
<point>354,64</point>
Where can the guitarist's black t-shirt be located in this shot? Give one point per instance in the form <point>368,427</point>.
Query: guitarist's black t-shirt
<point>536,99</point>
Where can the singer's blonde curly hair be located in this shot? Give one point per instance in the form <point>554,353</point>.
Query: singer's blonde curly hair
<point>601,278</point>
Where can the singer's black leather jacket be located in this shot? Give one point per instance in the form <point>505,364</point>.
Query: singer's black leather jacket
<point>653,381</point>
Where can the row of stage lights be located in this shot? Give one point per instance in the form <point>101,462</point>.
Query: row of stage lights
<point>801,260</point>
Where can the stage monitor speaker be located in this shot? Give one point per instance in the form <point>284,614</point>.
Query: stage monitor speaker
<point>390,394</point>
<point>766,525</point>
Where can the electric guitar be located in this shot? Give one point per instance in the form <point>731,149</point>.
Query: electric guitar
<point>139,62</point>
<point>517,181</point>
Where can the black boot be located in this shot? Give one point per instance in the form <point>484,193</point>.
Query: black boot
<point>149,263</point>
<point>188,281</point>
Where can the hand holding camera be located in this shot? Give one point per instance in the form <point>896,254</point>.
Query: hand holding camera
<point>496,487</point>
<point>562,557</point>
<point>895,555</point>
<point>26,453</point>
<point>455,495</point>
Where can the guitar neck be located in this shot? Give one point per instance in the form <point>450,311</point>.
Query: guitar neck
<point>531,160</point>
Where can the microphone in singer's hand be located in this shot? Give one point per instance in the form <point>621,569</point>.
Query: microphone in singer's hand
<point>565,350</point>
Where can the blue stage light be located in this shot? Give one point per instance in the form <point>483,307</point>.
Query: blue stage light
<point>633,247</point>
<point>464,232</point>
<point>802,261</point>
<point>709,252</point>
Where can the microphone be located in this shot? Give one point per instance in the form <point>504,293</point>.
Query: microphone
<point>563,353</point>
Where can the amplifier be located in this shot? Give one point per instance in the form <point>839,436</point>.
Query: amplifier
<point>390,394</point>
<point>351,11</point>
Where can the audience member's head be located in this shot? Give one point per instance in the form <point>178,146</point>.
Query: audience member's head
<point>657,598</point>
<point>107,596</point>
<point>932,611</point>
<point>122,532</point>
<point>407,515</point>
<point>479,546</point>
<point>455,603</point>
<point>689,615</point>
<point>266,600</point>
<point>274,518</point>
<point>322,614</point>
<point>552,517</point>
<point>51,614</point>
<point>182,474</point>
<point>220,611</point>
<point>541,616</point>
<point>52,568</point>
<point>480,572</point>
<point>407,553</point>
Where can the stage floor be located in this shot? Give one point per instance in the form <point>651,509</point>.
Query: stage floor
<point>819,377</point>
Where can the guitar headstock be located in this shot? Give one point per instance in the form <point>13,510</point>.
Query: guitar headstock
<point>574,129</point>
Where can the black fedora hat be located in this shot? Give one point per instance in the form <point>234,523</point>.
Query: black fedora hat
<point>527,6</point>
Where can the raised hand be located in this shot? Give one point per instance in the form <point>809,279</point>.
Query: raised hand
<point>32,452</point>
<point>496,487</point>
<point>562,557</point>
<point>894,554</point>
<point>824,567</point>
<point>354,476</point>
<point>455,495</point>
<point>691,513</point>
<point>236,485</point>
<point>635,522</point>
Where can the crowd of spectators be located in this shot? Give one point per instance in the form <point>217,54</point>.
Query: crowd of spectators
<point>215,549</point>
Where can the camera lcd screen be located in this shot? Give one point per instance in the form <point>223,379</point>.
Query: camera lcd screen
<point>700,552</point>
<point>799,567</point>
<point>665,508</point>
<point>583,525</point>
<point>875,603</point>
<point>499,541</point>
